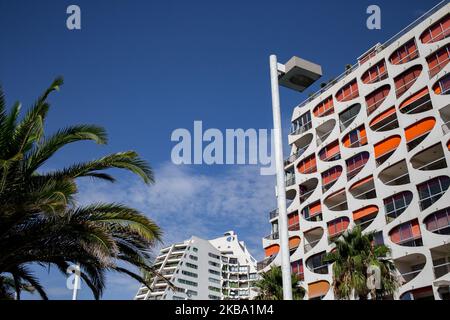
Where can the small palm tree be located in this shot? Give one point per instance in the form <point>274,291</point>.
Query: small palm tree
<point>270,286</point>
<point>353,254</point>
<point>40,220</point>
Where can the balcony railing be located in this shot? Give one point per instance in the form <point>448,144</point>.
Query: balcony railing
<point>408,276</point>
<point>354,171</point>
<point>308,246</point>
<point>321,138</point>
<point>273,236</point>
<point>294,227</point>
<point>433,165</point>
<point>410,56</point>
<point>404,178</point>
<point>403,88</point>
<point>343,204</point>
<point>366,194</point>
<point>333,157</point>
<point>387,124</point>
<point>416,107</point>
<point>364,224</point>
<point>343,125</point>
<point>371,108</point>
<point>358,143</point>
<point>315,218</point>
<point>304,196</point>
<point>303,128</point>
<point>265,262</point>
<point>428,201</point>
<point>294,156</point>
<point>446,127</point>
<point>379,77</point>
<point>435,70</point>
<point>290,182</point>
<point>273,214</point>
<point>310,170</point>
<point>441,269</point>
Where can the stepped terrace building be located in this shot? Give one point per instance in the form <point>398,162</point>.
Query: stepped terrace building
<point>198,269</point>
<point>372,148</point>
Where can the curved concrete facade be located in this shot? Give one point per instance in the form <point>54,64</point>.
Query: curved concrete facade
<point>419,165</point>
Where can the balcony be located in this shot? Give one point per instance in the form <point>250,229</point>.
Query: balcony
<point>376,98</point>
<point>407,234</point>
<point>346,117</point>
<point>418,131</point>
<point>365,216</point>
<point>264,263</point>
<point>337,227</point>
<point>302,124</point>
<point>337,201</point>
<point>405,53</point>
<point>436,32</point>
<point>308,165</point>
<point>330,177</point>
<point>290,181</point>
<point>297,269</point>
<point>324,108</point>
<point>439,222</point>
<point>405,80</point>
<point>438,60</point>
<point>273,236</point>
<point>385,148</point>
<point>331,152</point>
<point>375,73</point>
<point>364,189</point>
<point>273,214</point>
<point>410,266</point>
<point>424,293</point>
<point>348,92</point>
<point>307,188</point>
<point>355,138</point>
<point>356,163</point>
<point>395,205</point>
<point>417,103</point>
<point>324,130</point>
<point>313,212</point>
<point>432,158</point>
<point>432,190</point>
<point>442,86</point>
<point>315,263</point>
<point>385,121</point>
<point>395,175</point>
<point>441,260</point>
<point>312,238</point>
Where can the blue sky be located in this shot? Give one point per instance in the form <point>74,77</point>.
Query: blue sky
<point>144,68</point>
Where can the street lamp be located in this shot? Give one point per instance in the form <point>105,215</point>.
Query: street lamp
<point>296,74</point>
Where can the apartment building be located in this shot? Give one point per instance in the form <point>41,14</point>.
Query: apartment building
<point>372,148</point>
<point>199,269</point>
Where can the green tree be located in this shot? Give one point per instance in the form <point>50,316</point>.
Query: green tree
<point>40,220</point>
<point>270,286</point>
<point>354,252</point>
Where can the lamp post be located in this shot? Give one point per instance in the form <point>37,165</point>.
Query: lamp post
<point>296,74</point>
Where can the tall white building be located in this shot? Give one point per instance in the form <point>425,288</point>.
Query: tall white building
<point>218,269</point>
<point>372,148</point>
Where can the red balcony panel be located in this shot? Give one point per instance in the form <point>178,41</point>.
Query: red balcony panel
<point>376,98</point>
<point>356,163</point>
<point>308,165</point>
<point>405,53</point>
<point>337,226</point>
<point>348,92</point>
<point>375,73</point>
<point>324,108</point>
<point>330,152</point>
<point>331,175</point>
<point>438,60</point>
<point>405,80</point>
<point>437,31</point>
<point>407,233</point>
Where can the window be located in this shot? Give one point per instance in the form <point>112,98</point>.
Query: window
<point>348,92</point>
<point>191,293</point>
<point>437,31</point>
<point>439,222</point>
<point>215,289</point>
<point>297,269</point>
<point>193,257</point>
<point>187,282</point>
<point>356,138</point>
<point>213,297</point>
<point>443,85</point>
<point>324,108</point>
<point>378,238</point>
<point>214,280</point>
<point>432,190</point>
<point>375,73</point>
<point>194,249</point>
<point>396,204</point>
<point>347,117</point>
<point>331,152</point>
<point>191,265</point>
<point>405,80</point>
<point>214,264</point>
<point>253,276</point>
<point>178,298</point>
<point>217,273</point>
<point>407,234</point>
<point>337,226</point>
<point>189,274</point>
<point>243,269</point>
<point>215,256</point>
<point>308,165</point>
<point>376,98</point>
<point>330,176</point>
<point>316,264</point>
<point>302,124</point>
<point>354,164</point>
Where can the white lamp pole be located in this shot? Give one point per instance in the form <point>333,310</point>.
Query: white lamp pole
<point>76,282</point>
<point>281,184</point>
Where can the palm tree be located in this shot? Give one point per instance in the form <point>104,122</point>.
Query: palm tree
<point>40,221</point>
<point>270,286</point>
<point>354,252</point>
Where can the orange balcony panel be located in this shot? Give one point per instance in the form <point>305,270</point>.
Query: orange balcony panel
<point>315,209</point>
<point>293,218</point>
<point>348,92</point>
<point>405,53</point>
<point>294,242</point>
<point>382,116</point>
<point>324,108</point>
<point>308,165</point>
<point>361,182</point>
<point>419,128</point>
<point>375,73</point>
<point>448,145</point>
<point>405,80</point>
<point>364,212</point>
<point>442,86</point>
<point>329,151</point>
<point>437,31</point>
<point>438,60</point>
<point>406,231</point>
<point>386,145</point>
<point>271,250</point>
<point>331,175</point>
<point>318,289</point>
<point>355,138</point>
